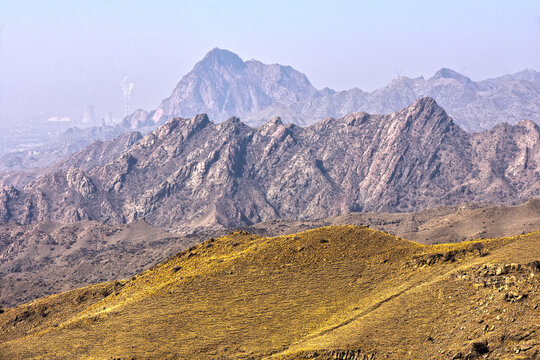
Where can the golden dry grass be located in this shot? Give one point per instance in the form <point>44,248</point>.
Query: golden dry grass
<point>249,297</point>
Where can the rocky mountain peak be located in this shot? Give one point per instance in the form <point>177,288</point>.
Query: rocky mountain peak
<point>529,125</point>
<point>426,106</point>
<point>137,119</point>
<point>424,117</point>
<point>356,118</point>
<point>181,125</point>
<point>233,120</point>
<point>425,102</point>
<point>271,126</point>
<point>276,120</point>
<point>525,75</point>
<point>445,73</point>
<point>201,120</point>
<point>223,85</point>
<point>220,58</point>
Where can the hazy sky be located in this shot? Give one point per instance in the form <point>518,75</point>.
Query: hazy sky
<point>58,56</point>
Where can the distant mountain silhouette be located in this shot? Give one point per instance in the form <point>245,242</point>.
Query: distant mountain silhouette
<point>223,85</point>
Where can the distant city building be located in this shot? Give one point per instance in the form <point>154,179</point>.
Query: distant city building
<point>59,119</point>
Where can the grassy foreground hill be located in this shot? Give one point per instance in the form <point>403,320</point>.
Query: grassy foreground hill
<point>338,292</point>
<point>48,258</point>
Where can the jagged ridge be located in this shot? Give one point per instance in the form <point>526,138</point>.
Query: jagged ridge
<point>192,173</point>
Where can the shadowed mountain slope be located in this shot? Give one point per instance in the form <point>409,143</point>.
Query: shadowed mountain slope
<point>46,258</point>
<point>192,174</point>
<point>337,292</point>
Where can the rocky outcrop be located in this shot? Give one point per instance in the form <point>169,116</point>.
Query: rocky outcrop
<point>79,182</point>
<point>192,173</point>
<point>98,153</point>
<point>348,354</point>
<point>137,119</point>
<point>6,194</point>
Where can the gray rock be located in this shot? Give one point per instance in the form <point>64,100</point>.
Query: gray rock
<point>194,174</point>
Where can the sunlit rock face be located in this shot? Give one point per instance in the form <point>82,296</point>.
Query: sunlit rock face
<point>194,174</point>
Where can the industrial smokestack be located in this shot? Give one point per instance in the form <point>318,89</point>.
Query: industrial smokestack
<point>109,118</point>
<point>127,89</point>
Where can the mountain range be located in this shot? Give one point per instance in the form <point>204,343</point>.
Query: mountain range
<point>223,85</point>
<point>194,174</point>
